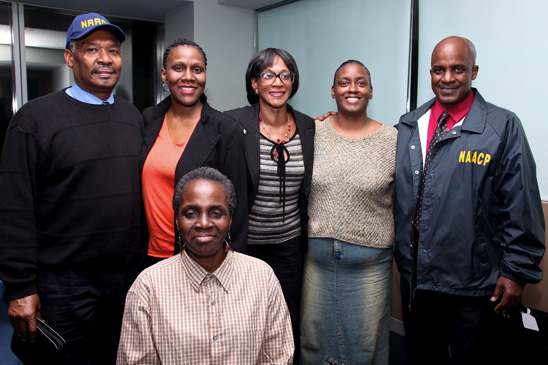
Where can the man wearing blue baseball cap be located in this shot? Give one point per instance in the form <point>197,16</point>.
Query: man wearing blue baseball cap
<point>70,205</point>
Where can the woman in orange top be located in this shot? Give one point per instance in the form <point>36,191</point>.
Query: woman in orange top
<point>182,133</point>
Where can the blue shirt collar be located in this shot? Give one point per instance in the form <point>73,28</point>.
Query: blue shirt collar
<point>79,94</point>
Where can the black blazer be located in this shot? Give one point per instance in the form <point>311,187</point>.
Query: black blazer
<point>248,117</point>
<point>216,142</point>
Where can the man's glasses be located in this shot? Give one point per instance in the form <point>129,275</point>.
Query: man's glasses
<point>268,77</point>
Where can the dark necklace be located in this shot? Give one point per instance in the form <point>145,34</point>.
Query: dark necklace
<point>279,149</point>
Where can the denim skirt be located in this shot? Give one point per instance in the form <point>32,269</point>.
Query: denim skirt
<point>345,312</point>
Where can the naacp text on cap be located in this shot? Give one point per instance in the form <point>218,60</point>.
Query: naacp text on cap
<point>84,24</point>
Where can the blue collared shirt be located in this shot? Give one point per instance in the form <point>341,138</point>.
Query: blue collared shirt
<point>81,95</point>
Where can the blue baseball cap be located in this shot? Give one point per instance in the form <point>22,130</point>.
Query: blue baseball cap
<point>85,24</point>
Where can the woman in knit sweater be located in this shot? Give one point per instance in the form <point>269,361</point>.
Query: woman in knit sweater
<point>348,267</point>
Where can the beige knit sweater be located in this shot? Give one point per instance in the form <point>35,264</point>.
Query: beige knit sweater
<point>353,186</point>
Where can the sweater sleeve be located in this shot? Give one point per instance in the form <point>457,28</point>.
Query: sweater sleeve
<point>18,191</point>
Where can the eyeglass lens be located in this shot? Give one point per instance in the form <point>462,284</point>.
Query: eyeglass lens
<point>270,77</point>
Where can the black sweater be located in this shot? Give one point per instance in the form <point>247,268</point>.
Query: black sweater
<point>69,188</point>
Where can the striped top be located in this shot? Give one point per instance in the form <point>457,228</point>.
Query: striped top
<point>352,192</point>
<point>268,223</point>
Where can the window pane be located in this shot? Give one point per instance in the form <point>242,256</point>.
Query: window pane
<point>45,36</point>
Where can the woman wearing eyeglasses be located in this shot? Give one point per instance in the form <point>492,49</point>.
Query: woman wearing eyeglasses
<point>279,148</point>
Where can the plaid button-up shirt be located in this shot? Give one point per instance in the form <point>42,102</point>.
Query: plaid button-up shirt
<point>178,313</point>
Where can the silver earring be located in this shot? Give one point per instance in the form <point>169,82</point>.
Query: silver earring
<point>256,91</point>
<point>165,88</point>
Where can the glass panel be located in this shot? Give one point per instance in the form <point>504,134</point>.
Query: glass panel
<point>45,35</point>
<point>321,34</point>
<point>6,71</point>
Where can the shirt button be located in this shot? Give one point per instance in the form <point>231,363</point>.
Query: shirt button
<point>416,172</point>
<point>424,252</point>
<point>213,302</point>
<point>214,338</point>
<point>425,228</point>
<point>428,200</point>
<point>431,176</point>
<point>454,132</point>
<point>413,147</point>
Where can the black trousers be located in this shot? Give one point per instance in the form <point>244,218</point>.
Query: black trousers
<point>452,329</point>
<point>85,306</point>
<point>287,261</point>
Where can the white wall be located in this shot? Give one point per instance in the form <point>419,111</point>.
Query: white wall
<point>510,39</point>
<point>226,35</point>
<point>44,57</point>
<point>179,23</point>
<point>5,54</point>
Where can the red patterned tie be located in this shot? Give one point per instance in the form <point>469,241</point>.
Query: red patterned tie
<point>441,130</point>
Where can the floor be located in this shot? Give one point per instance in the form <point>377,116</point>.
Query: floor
<point>397,350</point>
<point>6,356</point>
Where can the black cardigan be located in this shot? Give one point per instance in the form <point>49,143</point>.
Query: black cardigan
<point>248,117</point>
<point>216,142</point>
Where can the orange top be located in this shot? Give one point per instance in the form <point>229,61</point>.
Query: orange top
<point>158,180</point>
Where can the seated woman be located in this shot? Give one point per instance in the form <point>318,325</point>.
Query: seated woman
<point>184,132</point>
<point>348,267</point>
<point>208,304</point>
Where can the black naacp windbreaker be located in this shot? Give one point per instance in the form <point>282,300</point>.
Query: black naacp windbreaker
<point>482,215</point>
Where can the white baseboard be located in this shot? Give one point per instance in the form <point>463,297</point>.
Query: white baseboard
<point>396,326</point>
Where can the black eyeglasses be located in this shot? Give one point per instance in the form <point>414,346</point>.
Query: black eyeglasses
<point>268,77</point>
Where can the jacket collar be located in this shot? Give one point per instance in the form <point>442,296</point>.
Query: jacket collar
<point>158,114</point>
<point>477,116</point>
<point>161,109</point>
<point>474,121</point>
<point>251,122</point>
